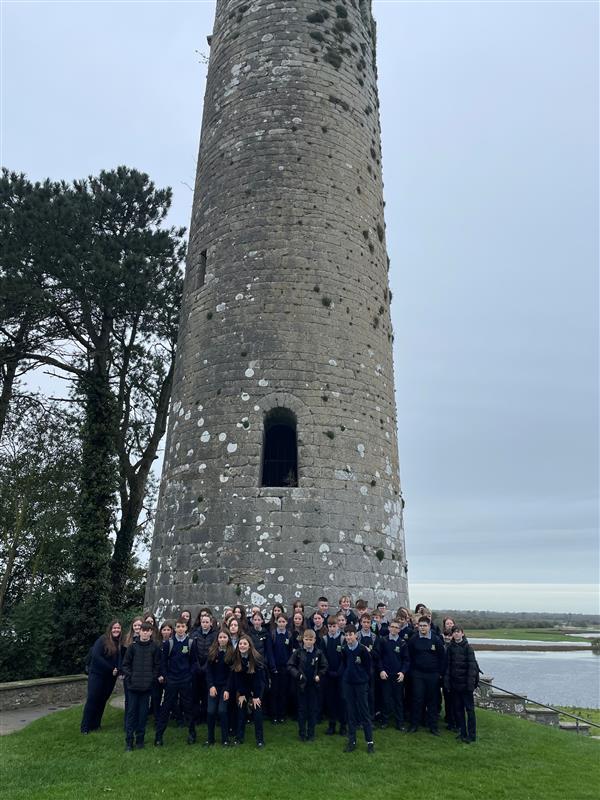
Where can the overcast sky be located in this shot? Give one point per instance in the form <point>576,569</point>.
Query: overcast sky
<point>490,156</point>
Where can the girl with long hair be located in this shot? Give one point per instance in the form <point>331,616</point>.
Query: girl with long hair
<point>248,684</point>
<point>104,667</point>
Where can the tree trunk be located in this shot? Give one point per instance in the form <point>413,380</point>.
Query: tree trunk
<point>12,554</point>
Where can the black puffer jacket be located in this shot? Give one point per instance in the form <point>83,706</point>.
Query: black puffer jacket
<point>141,665</point>
<point>462,673</point>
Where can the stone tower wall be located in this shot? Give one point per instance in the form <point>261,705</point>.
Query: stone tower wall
<point>286,304</point>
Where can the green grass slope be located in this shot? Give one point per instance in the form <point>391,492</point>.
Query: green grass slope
<point>533,634</point>
<point>513,760</point>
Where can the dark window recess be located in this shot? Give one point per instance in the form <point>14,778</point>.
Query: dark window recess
<point>201,276</point>
<point>280,449</point>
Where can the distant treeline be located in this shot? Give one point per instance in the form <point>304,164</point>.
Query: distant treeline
<point>477,620</point>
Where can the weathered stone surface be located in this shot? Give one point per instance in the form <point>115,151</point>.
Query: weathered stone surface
<point>294,312</point>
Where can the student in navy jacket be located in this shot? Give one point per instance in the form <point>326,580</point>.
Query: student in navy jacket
<point>103,669</point>
<point>307,667</point>
<point>141,665</point>
<point>203,635</point>
<point>248,684</point>
<point>394,665</point>
<point>279,649</point>
<point>369,639</point>
<point>355,685</point>
<point>332,645</point>
<point>428,662</point>
<point>178,657</point>
<point>218,679</point>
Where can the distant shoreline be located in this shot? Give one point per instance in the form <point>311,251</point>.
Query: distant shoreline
<point>541,647</point>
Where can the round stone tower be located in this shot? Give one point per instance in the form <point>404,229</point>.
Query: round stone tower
<point>281,473</point>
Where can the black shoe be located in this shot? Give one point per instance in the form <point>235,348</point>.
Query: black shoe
<point>226,743</point>
<point>434,731</point>
<point>208,744</point>
<point>260,745</point>
<point>472,739</point>
<point>383,725</point>
<point>350,747</point>
<point>158,742</point>
<point>401,728</point>
<point>85,733</point>
<point>302,737</point>
<point>412,729</point>
<point>370,747</point>
<point>139,744</point>
<point>238,742</point>
<point>464,739</point>
<point>330,730</point>
<point>191,738</point>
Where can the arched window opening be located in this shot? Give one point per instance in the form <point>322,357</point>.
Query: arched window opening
<point>280,449</point>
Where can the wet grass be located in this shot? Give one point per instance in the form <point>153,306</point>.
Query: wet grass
<point>512,760</point>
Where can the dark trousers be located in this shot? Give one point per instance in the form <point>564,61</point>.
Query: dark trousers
<point>217,707</point>
<point>200,693</point>
<point>279,691</point>
<point>157,693</point>
<point>393,700</point>
<point>335,706</point>
<point>449,715</point>
<point>356,696</point>
<point>99,689</point>
<point>176,693</point>
<point>308,709</point>
<point>465,705</point>
<point>242,718</point>
<point>425,697</point>
<point>137,715</point>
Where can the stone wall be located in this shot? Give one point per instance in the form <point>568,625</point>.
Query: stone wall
<point>286,305</point>
<point>65,690</point>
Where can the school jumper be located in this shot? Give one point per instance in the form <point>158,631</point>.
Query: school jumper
<point>303,667</point>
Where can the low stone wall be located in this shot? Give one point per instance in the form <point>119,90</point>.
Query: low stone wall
<point>64,691</point>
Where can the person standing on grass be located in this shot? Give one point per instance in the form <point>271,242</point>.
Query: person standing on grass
<point>394,665</point>
<point>307,667</point>
<point>218,676</point>
<point>462,678</point>
<point>141,665</point>
<point>177,660</point>
<point>427,659</point>
<point>105,661</point>
<point>355,686</point>
<point>334,707</point>
<point>248,684</point>
<point>279,649</point>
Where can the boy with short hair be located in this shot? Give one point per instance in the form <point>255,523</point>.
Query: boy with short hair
<point>355,683</point>
<point>307,667</point>
<point>462,678</point>
<point>323,609</point>
<point>393,668</point>
<point>428,661</point>
<point>332,645</point>
<point>177,661</point>
<point>141,665</point>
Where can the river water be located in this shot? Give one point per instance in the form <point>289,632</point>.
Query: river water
<point>565,679</point>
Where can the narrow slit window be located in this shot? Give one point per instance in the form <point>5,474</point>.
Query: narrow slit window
<point>280,449</point>
<point>201,270</point>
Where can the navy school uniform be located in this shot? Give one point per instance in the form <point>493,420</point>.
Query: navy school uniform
<point>101,683</point>
<point>141,665</point>
<point>250,685</point>
<point>394,660</point>
<point>355,686</point>
<point>462,678</point>
<point>351,617</point>
<point>218,674</point>
<point>279,649</point>
<point>372,643</point>
<point>333,696</point>
<point>427,659</point>
<point>177,666</point>
<point>202,641</point>
<point>304,667</point>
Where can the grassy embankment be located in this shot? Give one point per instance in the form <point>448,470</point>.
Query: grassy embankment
<point>531,634</point>
<point>513,759</point>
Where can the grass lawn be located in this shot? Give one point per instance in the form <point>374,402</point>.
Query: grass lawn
<point>513,759</point>
<point>533,634</point>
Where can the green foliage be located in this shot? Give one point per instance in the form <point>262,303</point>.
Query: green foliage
<point>513,758</point>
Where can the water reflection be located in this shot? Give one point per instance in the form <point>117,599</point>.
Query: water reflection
<point>567,679</point>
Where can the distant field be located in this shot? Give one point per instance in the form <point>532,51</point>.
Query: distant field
<point>534,634</point>
<point>512,760</point>
<point>591,714</point>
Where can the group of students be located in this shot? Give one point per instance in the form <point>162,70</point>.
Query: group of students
<point>352,668</point>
